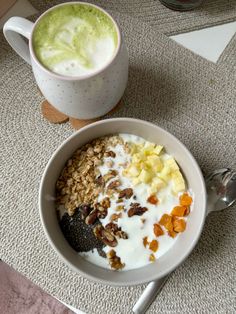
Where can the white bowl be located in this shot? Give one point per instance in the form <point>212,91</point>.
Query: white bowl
<point>184,243</point>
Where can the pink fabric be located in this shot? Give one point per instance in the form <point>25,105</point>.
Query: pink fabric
<point>20,296</point>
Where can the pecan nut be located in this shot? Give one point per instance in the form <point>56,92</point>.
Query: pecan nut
<point>105,236</point>
<point>92,217</point>
<point>84,211</point>
<point>113,185</point>
<point>136,209</point>
<point>110,153</point>
<point>126,193</point>
<point>114,260</point>
<point>114,229</point>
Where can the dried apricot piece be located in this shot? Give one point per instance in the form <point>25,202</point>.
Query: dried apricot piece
<point>179,225</point>
<point>172,234</point>
<point>178,211</point>
<point>157,229</point>
<point>152,199</point>
<point>145,241</point>
<point>153,245</point>
<point>166,221</point>
<point>187,211</point>
<point>152,258</point>
<point>185,199</point>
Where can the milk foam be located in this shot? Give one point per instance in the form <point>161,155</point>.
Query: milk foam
<point>75,40</point>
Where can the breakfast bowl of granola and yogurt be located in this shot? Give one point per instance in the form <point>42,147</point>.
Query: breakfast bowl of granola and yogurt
<point>122,201</point>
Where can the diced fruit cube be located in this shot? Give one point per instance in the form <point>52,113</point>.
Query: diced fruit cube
<point>145,176</point>
<point>145,241</point>
<point>164,174</point>
<point>158,231</point>
<point>153,246</point>
<point>133,171</point>
<point>157,184</point>
<point>179,184</point>
<point>171,164</point>
<point>179,211</point>
<point>172,234</point>
<point>152,199</point>
<point>152,258</point>
<point>185,199</point>
<point>166,221</point>
<point>155,163</point>
<point>179,225</point>
<point>157,149</point>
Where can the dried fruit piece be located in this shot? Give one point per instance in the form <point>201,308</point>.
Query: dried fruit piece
<point>153,245</point>
<point>166,221</point>
<point>152,258</point>
<point>172,234</point>
<point>179,211</point>
<point>115,217</point>
<point>185,199</point>
<point>92,217</point>
<point>152,199</point>
<point>157,229</point>
<point>126,193</point>
<point>179,225</point>
<point>145,241</point>
<point>114,260</point>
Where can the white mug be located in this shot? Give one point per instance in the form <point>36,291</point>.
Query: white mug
<point>84,97</point>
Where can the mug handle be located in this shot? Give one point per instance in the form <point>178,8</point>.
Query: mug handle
<point>12,30</point>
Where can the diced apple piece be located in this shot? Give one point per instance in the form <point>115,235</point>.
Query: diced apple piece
<point>136,158</point>
<point>171,164</point>
<point>179,184</point>
<point>164,174</point>
<point>155,162</point>
<point>133,171</point>
<point>145,176</point>
<point>157,184</point>
<point>157,149</point>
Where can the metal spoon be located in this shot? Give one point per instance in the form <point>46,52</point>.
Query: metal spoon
<point>221,193</point>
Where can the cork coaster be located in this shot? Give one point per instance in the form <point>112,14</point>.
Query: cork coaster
<point>51,114</point>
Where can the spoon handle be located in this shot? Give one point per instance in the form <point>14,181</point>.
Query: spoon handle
<point>148,295</point>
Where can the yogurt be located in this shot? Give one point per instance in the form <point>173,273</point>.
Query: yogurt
<point>132,251</point>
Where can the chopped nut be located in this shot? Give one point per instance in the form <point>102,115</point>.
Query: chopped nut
<point>152,199</point>
<point>100,181</point>
<point>136,209</point>
<point>105,236</point>
<point>114,184</point>
<point>92,217</point>
<point>157,229</point>
<point>106,203</point>
<point>110,175</point>
<point>153,245</point>
<point>115,217</point>
<point>152,258</point>
<point>120,207</point>
<point>110,153</point>
<point>85,210</point>
<point>102,212</point>
<point>109,163</point>
<point>114,260</point>
<point>126,193</point>
<point>114,229</point>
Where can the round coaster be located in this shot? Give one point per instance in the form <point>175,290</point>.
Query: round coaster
<point>52,114</point>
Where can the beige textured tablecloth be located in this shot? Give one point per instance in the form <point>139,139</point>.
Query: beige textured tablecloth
<point>211,12</point>
<point>168,85</point>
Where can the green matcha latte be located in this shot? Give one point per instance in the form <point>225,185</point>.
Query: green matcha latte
<point>75,39</point>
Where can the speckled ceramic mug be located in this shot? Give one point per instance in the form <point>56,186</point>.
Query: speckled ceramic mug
<point>85,96</point>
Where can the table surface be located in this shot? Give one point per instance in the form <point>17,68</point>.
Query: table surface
<point>208,43</point>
